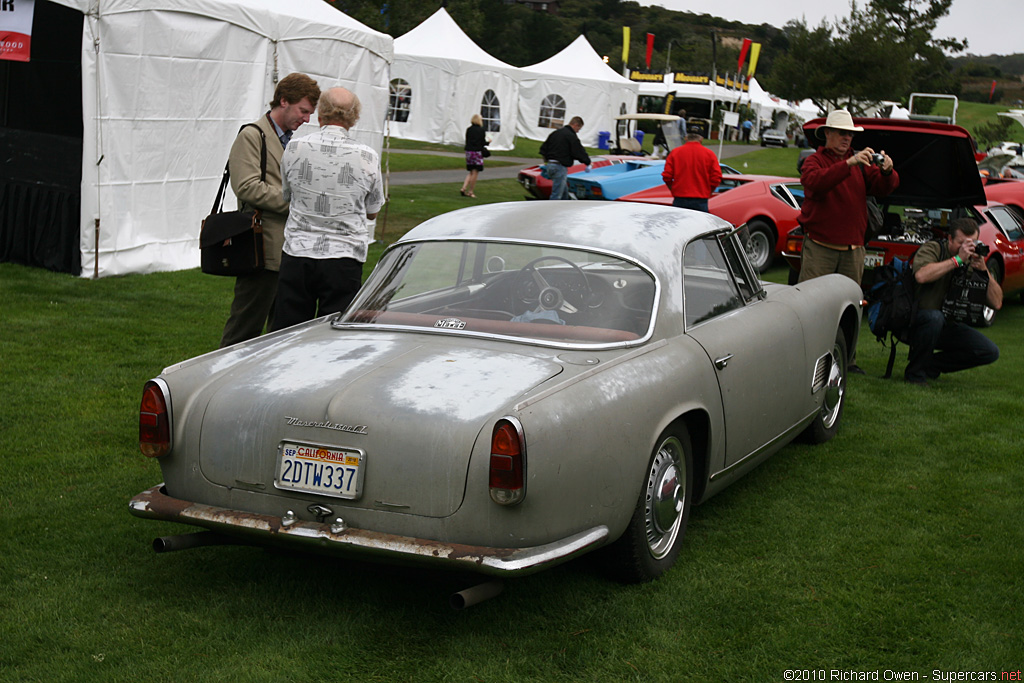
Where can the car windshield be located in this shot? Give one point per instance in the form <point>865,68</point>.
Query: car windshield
<point>552,295</point>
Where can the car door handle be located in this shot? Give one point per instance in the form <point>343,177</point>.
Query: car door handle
<point>720,363</point>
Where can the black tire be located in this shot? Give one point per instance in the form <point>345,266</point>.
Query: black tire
<point>826,421</point>
<point>793,277</point>
<point>650,544</point>
<point>760,245</point>
<point>995,266</point>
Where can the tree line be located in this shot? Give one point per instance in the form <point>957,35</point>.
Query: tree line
<point>883,50</point>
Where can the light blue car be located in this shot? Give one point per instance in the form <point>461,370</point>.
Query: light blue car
<point>612,182</point>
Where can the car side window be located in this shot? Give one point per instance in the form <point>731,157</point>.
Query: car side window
<point>708,287</point>
<point>746,279</point>
<point>1007,222</point>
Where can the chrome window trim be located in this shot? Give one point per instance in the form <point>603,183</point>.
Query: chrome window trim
<point>336,323</point>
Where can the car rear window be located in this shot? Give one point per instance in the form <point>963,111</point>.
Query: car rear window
<point>549,294</point>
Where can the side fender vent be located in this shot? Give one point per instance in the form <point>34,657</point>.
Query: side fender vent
<point>821,373</point>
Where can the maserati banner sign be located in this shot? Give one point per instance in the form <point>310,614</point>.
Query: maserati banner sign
<point>16,29</point>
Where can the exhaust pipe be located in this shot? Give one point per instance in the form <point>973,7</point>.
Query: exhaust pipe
<point>166,544</point>
<point>476,594</point>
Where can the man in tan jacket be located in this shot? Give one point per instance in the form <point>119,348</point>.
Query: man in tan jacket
<point>294,102</point>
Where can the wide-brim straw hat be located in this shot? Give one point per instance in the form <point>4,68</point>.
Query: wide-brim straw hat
<point>839,119</point>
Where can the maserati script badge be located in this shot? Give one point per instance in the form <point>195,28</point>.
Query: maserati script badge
<point>324,424</point>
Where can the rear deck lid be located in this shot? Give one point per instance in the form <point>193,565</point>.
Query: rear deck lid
<point>409,405</point>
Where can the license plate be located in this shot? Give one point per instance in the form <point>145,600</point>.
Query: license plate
<point>874,259</point>
<point>310,468</point>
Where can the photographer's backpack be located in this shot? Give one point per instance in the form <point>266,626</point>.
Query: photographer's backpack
<point>891,306</point>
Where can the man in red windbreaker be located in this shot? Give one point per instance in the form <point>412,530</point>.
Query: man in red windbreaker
<point>692,172</point>
<point>834,216</point>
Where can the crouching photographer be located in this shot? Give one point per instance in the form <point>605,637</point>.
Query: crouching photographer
<point>953,282</point>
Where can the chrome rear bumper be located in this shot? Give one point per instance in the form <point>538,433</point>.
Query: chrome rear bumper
<point>256,529</point>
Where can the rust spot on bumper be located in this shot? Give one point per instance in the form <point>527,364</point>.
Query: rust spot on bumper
<point>250,527</point>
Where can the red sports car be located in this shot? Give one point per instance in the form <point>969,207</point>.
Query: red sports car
<point>768,205</point>
<point>939,181</point>
<point>539,187</point>
<point>1006,191</point>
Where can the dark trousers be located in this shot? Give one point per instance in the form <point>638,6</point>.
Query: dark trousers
<point>252,308</point>
<point>308,288</point>
<point>938,345</point>
<point>695,203</point>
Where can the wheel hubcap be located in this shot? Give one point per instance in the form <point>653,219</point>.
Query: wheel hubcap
<point>757,249</point>
<point>834,391</point>
<point>665,498</point>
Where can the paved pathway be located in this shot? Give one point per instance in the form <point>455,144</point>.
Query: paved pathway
<point>500,172</point>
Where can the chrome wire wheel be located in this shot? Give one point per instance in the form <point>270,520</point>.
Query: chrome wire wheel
<point>665,498</point>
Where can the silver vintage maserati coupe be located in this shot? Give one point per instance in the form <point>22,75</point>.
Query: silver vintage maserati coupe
<point>515,385</point>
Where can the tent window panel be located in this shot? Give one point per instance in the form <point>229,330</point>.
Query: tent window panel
<point>399,100</point>
<point>552,112</point>
<point>490,112</point>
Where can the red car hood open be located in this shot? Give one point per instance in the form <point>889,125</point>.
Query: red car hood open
<point>935,161</point>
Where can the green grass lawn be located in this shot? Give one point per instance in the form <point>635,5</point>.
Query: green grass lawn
<point>896,546</point>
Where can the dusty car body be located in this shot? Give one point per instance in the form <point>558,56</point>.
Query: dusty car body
<point>767,205</point>
<point>515,385</point>
<point>939,181</point>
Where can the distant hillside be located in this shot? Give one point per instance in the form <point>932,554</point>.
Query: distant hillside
<point>978,73</point>
<point>1003,65</point>
<point>515,33</point>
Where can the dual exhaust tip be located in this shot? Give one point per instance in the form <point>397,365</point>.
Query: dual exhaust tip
<point>458,601</point>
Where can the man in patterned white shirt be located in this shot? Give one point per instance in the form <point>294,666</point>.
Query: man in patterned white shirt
<point>335,189</point>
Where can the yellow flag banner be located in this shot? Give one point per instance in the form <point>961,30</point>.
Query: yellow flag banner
<point>755,52</point>
<point>625,45</point>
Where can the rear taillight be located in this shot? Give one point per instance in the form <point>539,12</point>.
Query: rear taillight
<point>794,245</point>
<point>154,422</point>
<point>508,462</point>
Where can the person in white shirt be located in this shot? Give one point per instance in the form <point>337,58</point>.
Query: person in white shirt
<point>335,189</point>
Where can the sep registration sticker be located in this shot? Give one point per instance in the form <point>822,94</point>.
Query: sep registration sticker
<point>328,471</point>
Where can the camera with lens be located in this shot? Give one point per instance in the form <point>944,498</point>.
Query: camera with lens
<point>877,159</point>
<point>981,249</point>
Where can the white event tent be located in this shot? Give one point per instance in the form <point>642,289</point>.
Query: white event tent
<point>440,78</point>
<point>574,82</point>
<point>166,85</point>
<point>766,104</point>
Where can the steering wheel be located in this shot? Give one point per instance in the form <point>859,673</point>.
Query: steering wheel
<point>531,288</point>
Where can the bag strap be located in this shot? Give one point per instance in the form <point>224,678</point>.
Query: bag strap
<point>892,357</point>
<point>218,203</point>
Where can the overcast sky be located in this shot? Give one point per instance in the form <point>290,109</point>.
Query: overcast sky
<point>990,26</point>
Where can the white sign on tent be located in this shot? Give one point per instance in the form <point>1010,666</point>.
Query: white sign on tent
<point>16,30</point>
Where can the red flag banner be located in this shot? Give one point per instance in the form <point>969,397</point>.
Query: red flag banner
<point>16,29</point>
<point>650,48</point>
<point>743,54</point>
<point>992,92</point>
